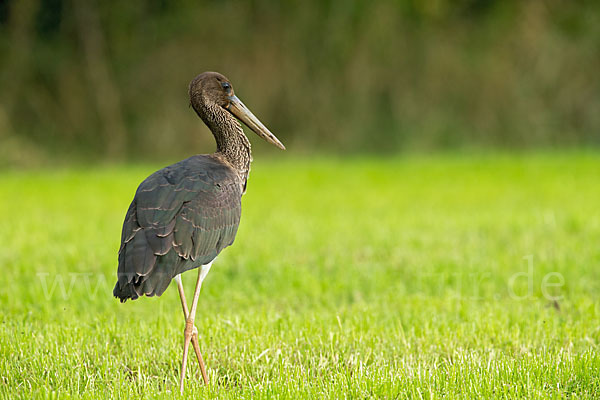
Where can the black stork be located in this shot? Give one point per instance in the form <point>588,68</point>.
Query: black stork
<point>184,215</point>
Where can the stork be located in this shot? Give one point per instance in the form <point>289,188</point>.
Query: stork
<point>185,214</point>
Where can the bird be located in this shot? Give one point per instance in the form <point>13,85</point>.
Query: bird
<point>184,215</point>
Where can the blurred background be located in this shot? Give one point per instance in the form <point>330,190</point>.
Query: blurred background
<point>107,80</point>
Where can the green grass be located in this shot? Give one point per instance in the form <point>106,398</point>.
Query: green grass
<point>358,278</point>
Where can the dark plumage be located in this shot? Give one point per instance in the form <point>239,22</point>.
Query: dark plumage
<point>181,217</point>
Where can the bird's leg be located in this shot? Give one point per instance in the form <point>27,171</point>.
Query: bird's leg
<point>195,342</point>
<point>189,326</point>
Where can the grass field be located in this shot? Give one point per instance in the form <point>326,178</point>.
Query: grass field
<point>421,277</point>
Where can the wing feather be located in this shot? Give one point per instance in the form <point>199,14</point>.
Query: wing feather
<point>181,217</point>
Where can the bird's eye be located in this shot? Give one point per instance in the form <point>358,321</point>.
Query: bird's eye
<point>226,86</point>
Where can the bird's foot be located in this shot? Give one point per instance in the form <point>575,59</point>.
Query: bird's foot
<point>187,334</point>
<point>191,335</point>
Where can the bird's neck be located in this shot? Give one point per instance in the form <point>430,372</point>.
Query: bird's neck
<point>232,144</point>
<point>234,147</point>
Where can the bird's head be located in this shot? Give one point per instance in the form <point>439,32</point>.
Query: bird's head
<point>211,89</point>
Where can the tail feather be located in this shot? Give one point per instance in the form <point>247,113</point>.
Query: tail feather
<point>125,292</point>
<point>132,286</point>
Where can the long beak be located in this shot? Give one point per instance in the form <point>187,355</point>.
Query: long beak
<point>237,108</point>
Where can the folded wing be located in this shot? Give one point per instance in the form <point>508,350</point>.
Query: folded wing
<point>181,217</point>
